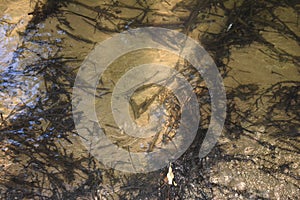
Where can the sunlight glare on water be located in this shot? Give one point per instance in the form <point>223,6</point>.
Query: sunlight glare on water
<point>16,89</point>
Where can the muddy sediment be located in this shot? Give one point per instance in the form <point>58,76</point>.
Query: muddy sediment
<point>255,46</point>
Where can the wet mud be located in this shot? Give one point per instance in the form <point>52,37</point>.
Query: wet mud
<point>255,45</point>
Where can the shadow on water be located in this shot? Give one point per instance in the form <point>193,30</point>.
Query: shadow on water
<point>42,157</point>
<point>36,162</point>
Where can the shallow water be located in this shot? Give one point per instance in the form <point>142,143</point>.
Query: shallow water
<point>255,47</point>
